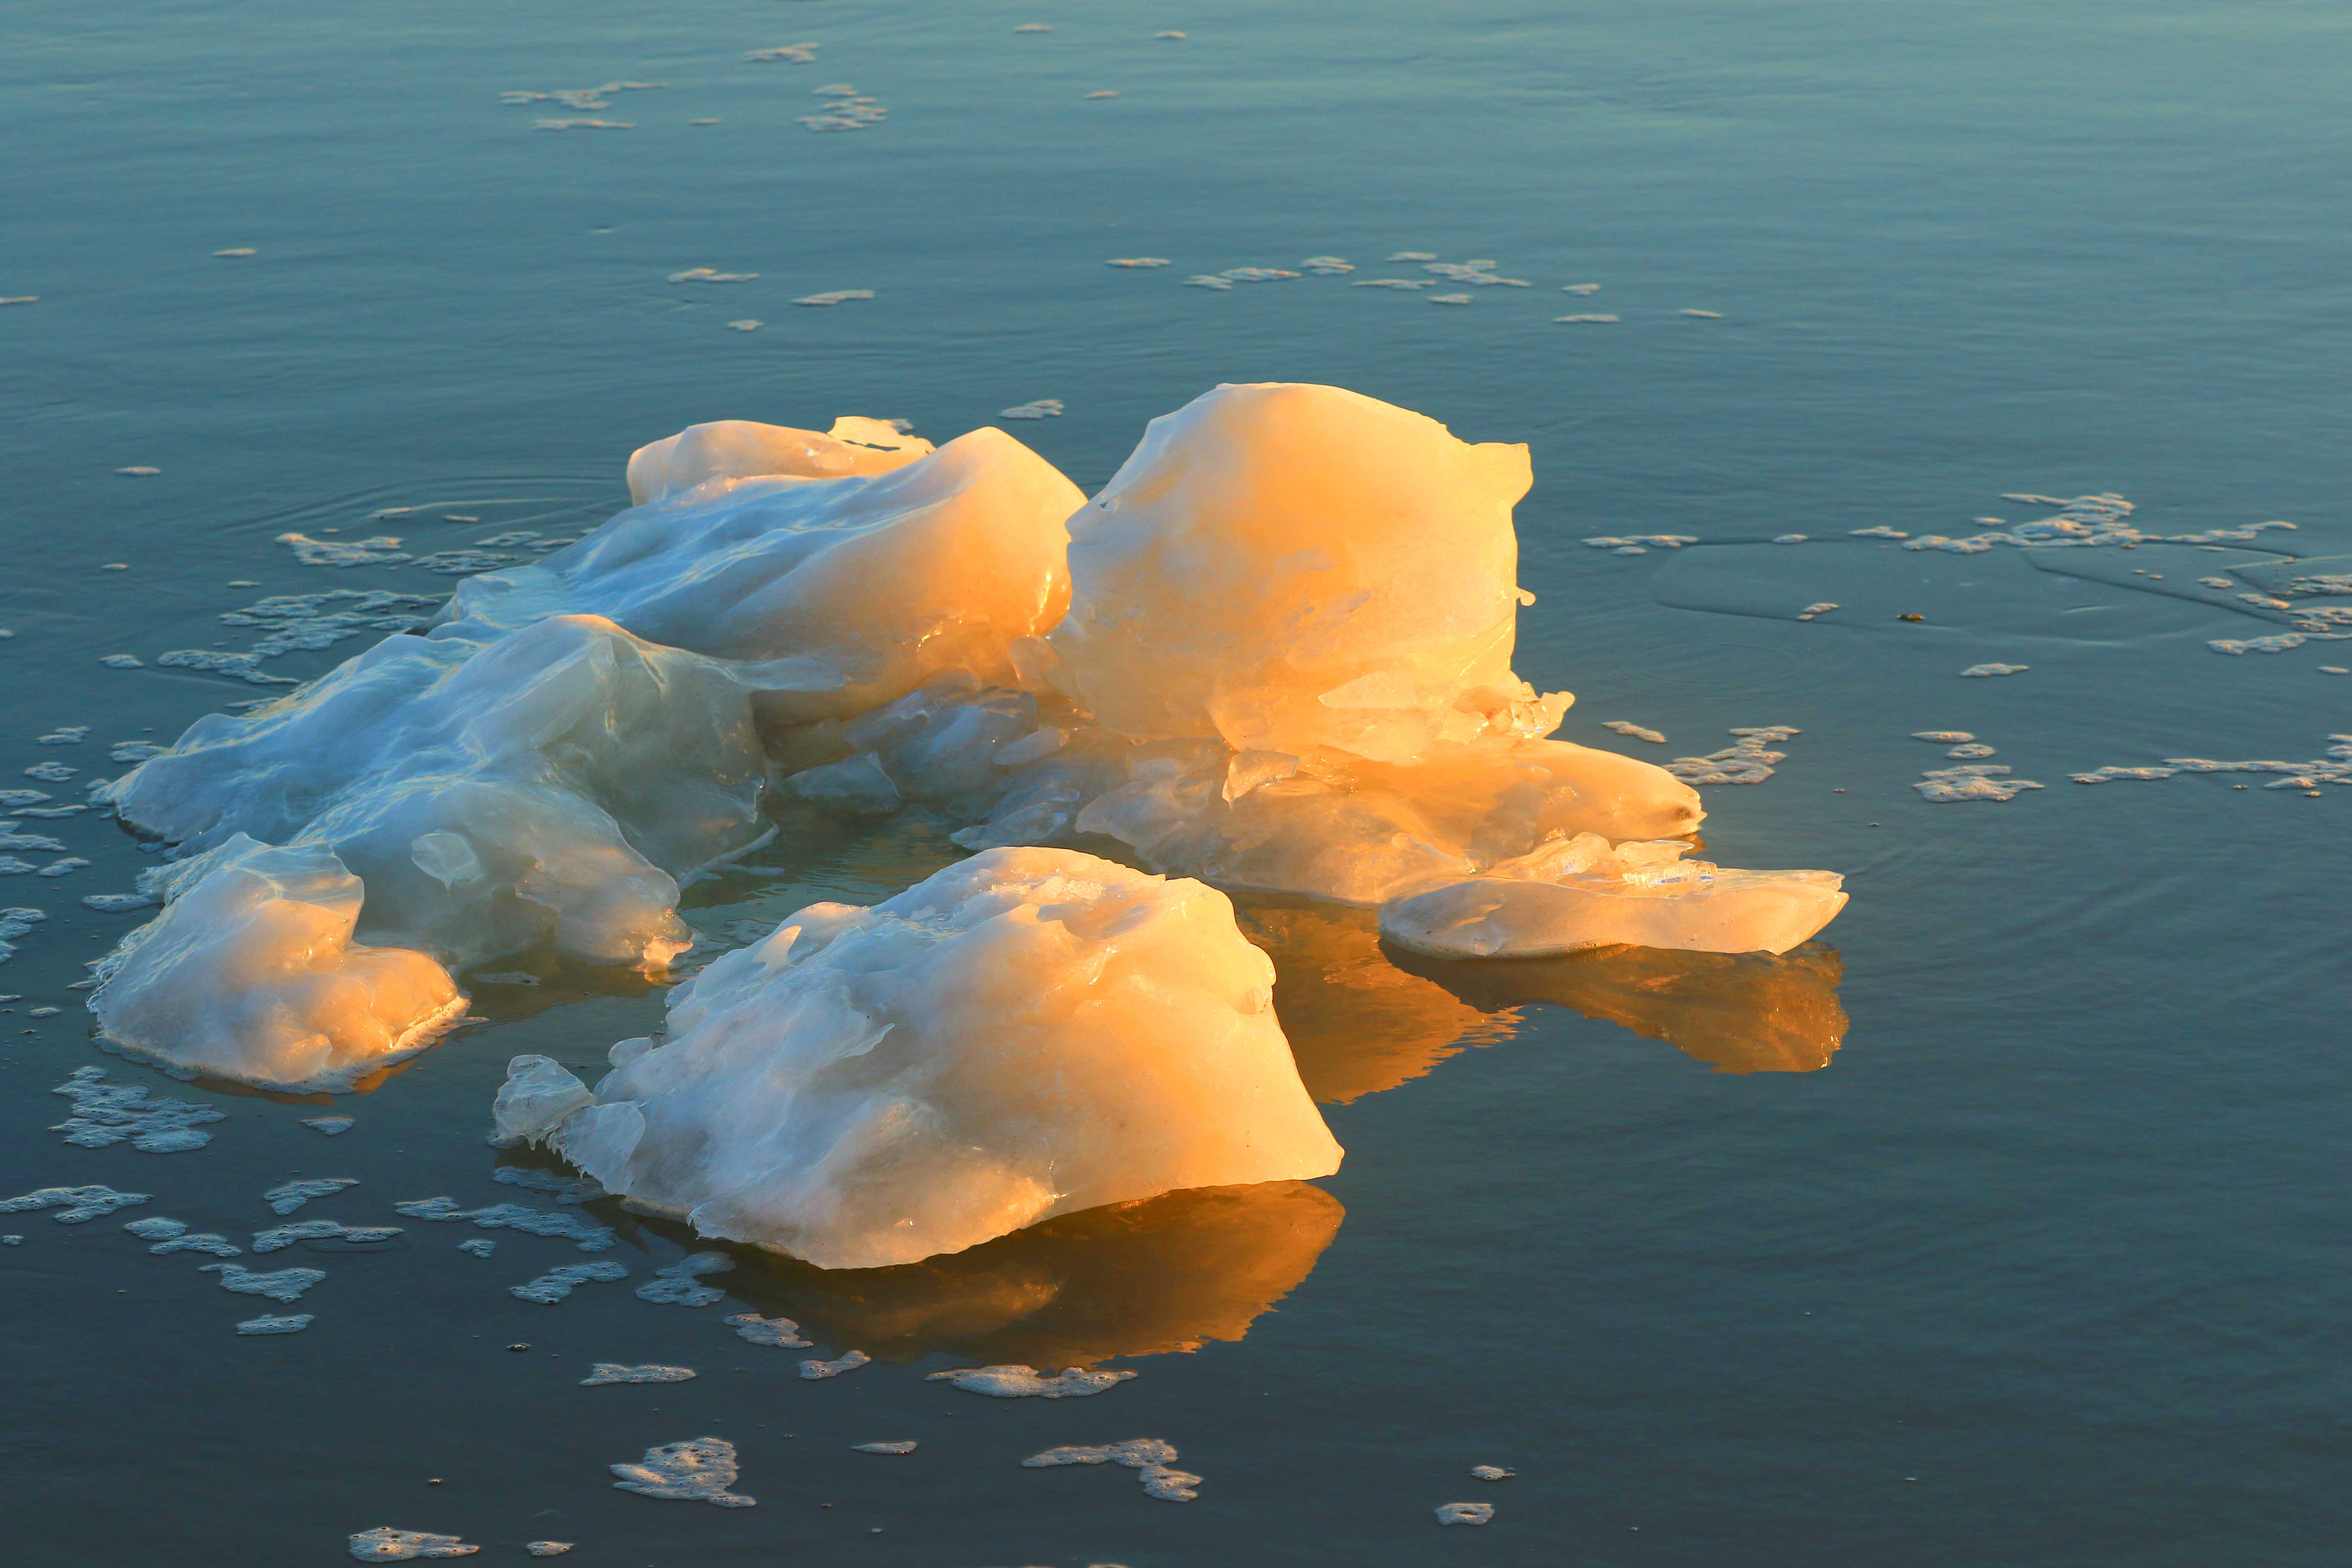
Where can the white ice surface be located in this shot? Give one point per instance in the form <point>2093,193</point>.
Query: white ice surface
<point>1028,1033</point>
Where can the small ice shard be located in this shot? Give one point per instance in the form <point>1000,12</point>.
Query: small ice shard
<point>118,903</point>
<point>705,274</point>
<point>910,1041</point>
<point>1971,781</point>
<point>1973,750</point>
<point>1635,731</point>
<point>1027,1383</point>
<point>156,1229</point>
<point>74,1204</point>
<point>1572,894</point>
<point>238,250</point>
<point>675,1286</point>
<point>1819,607</point>
<point>285,1285</point>
<point>557,1283</point>
<point>611,1372</point>
<point>50,773</point>
<point>563,1189</point>
<point>1207,280</point>
<point>14,922</point>
<point>761,1330</point>
<point>836,297</point>
<point>1041,408</point>
<point>699,1469</point>
<point>2111,772</point>
<point>512,1216</point>
<point>330,1125</point>
<point>109,1113</point>
<point>904,1446</point>
<point>1791,539</point>
<point>1034,28</point>
<point>478,1246</point>
<point>292,1324</point>
<point>251,973</point>
<point>847,1361</point>
<point>1879,530</point>
<point>1413,255</point>
<point>385,1544</point>
<point>1329,266</point>
<point>547,1548</point>
<point>748,324</point>
<point>1589,319</point>
<point>65,735</point>
<point>1152,1458</point>
<point>539,1092</point>
<point>1979,669</point>
<point>279,1238</point>
<point>1704,315</point>
<point>1136,262</point>
<point>1492,1472</point>
<point>1943,737</point>
<point>288,1196</point>
<point>1464,1512</point>
<point>1447,298</point>
<point>1104,92</point>
<point>380,551</point>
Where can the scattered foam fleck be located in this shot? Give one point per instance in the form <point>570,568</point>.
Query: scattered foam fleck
<point>848,1361</point>
<point>675,1286</point>
<point>238,250</point>
<point>109,1113</point>
<point>1972,781</point>
<point>783,54</point>
<point>1745,762</point>
<point>1154,1459</point>
<point>1635,731</point>
<point>1027,1383</point>
<point>699,1469</point>
<point>607,1372</point>
<point>761,1330</point>
<point>1704,315</point>
<point>1464,1512</point>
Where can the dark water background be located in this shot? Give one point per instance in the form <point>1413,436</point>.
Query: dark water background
<point>2046,1266</point>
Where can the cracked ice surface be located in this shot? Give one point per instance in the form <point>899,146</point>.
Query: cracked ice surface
<point>861,1087</point>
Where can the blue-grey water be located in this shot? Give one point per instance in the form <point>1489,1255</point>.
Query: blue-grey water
<point>2003,1225</point>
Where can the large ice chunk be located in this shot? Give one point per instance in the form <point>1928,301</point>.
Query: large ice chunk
<point>1287,566</point>
<point>728,449</point>
<point>873,582</point>
<point>1574,893</point>
<point>1028,1033</point>
<point>551,786</point>
<point>250,972</point>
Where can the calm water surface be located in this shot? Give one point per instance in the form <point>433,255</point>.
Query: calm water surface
<point>2003,1225</point>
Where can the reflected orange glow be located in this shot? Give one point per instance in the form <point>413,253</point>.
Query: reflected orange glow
<point>1169,1273</point>
<point>1358,1024</point>
<point>1741,1012</point>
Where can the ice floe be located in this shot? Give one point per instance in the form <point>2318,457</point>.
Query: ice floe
<point>292,1324</point>
<point>675,1285</point>
<point>1466,1512</point>
<point>332,1126</point>
<point>74,1204</point>
<point>1028,1382</point>
<point>699,1469</point>
<point>847,1361</point>
<point>285,1285</point>
<point>107,1113</point>
<point>557,1283</point>
<point>902,1446</point>
<point>859,1087</point>
<point>288,1196</point>
<point>210,1243</point>
<point>279,1238</point>
<point>1971,781</point>
<point>14,922</point>
<point>1153,1460</point>
<point>511,1217</point>
<point>386,1544</point>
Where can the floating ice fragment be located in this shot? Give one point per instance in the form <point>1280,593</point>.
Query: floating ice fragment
<point>1152,1458</point>
<point>760,1331</point>
<point>330,1125</point>
<point>1413,255</point>
<point>2106,774</point>
<point>1745,762</point>
<point>748,324</point>
<point>1984,669</point>
<point>538,1091</point>
<point>836,297</point>
<point>288,1196</point>
<point>74,1204</point>
<point>12,867</point>
<point>675,1286</point>
<point>1258,274</point>
<point>699,1469</point>
<point>206,1242</point>
<point>905,1446</point>
<point>478,1246</point>
<point>156,1229</point>
<point>14,922</point>
<point>1635,731</point>
<point>1328,266</point>
<point>906,1039</point>
<point>1136,262</point>
<point>1207,280</point>
<point>11,799</point>
<point>293,1323</point>
<point>1041,408</point>
<point>1704,315</point>
<point>706,275</point>
<point>584,125</point>
<point>64,867</point>
<point>557,1283</point>
<point>1171,34</point>
<point>607,1372</point>
<point>1404,283</point>
<point>1492,1472</point>
<point>547,1548</point>
<point>1943,737</point>
<point>1879,530</point>
<point>1464,1512</point>
<point>1027,1383</point>
<point>107,1113</point>
<point>565,1189</point>
<point>1589,319</point>
<point>286,1285</point>
<point>1106,93</point>
<point>50,773</point>
<point>385,1544</point>
<point>66,735</point>
<point>2281,643</point>
<point>1973,781</point>
<point>238,250</point>
<point>1034,28</point>
<point>251,973</point>
<point>1973,750</point>
<point>784,54</point>
<point>847,1361</point>
<point>20,299</point>
<point>1792,539</point>
<point>514,1216</point>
